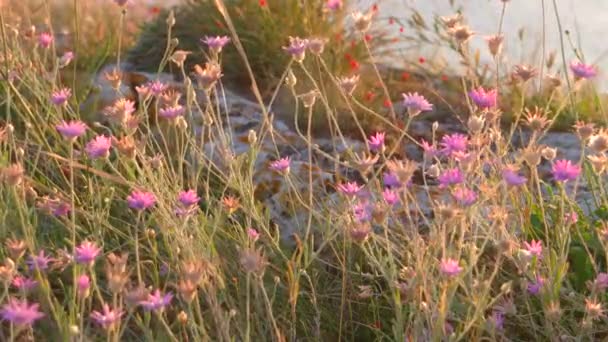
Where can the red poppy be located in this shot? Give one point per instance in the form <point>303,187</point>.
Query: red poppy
<point>391,21</point>
<point>387,103</point>
<point>368,37</point>
<point>401,29</point>
<point>369,96</point>
<point>154,10</point>
<point>405,76</point>
<point>375,8</point>
<point>354,65</point>
<point>348,56</point>
<point>421,60</point>
<point>444,78</point>
<point>262,3</point>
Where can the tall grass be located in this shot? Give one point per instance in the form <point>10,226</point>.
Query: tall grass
<point>477,240</point>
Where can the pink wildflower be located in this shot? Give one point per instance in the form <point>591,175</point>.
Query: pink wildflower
<point>390,197</point>
<point>109,318</point>
<point>216,44</point>
<point>156,301</point>
<point>534,248</point>
<point>511,177</point>
<point>416,104</point>
<point>452,143</point>
<point>83,284</point>
<point>141,200</point>
<point>297,48</point>
<point>450,177</point>
<point>484,99</point>
<point>350,189</point>
<point>45,40</point>
<point>563,171</point>
<point>20,313</point>
<point>376,142</point>
<point>253,234</point>
<point>281,165</point>
<point>61,96</point>
<point>86,253</point>
<point>39,262</point>
<point>71,129</point>
<point>333,5</point>
<point>171,112</point>
<point>188,198</point>
<point>450,267</point>
<point>464,196</point>
<point>99,147</point>
<point>23,283</point>
<point>534,287</point>
<point>582,70</point>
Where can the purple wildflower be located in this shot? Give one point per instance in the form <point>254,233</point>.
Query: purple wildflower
<point>64,60</point>
<point>391,180</point>
<point>45,39</point>
<point>601,281</point>
<point>281,165</point>
<point>297,48</point>
<point>24,284</point>
<point>188,198</point>
<point>452,143</point>
<point>484,99</point>
<point>450,177</point>
<point>253,234</point>
<point>534,248</point>
<point>390,197</point>
<point>511,177</point>
<point>350,189</point>
<point>535,286</point>
<point>141,200</point>
<point>563,171</point>
<point>20,313</point>
<point>71,129</point>
<point>61,96</point>
<point>217,43</point>
<point>464,196</point>
<point>429,149</point>
<point>450,267</point>
<point>416,104</point>
<point>156,87</point>
<point>39,262</point>
<point>498,320</point>
<point>108,318</point>
<point>86,253</point>
<point>582,70</point>
<point>99,147</point>
<point>376,142</point>
<point>172,112</point>
<point>362,212</point>
<point>156,301</point>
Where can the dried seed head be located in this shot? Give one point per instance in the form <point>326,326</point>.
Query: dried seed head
<point>451,21</point>
<point>360,232</point>
<point>531,155</point>
<point>348,84</point>
<point>536,119</point>
<point>179,57</point>
<point>252,261</point>
<point>317,45</point>
<point>136,295</point>
<point>182,317</point>
<point>114,78</point>
<point>524,72</point>
<point>584,130</point>
<point>125,146</point>
<point>363,22</point>
<point>475,124</point>
<point>308,99</point>
<point>549,153</point>
<point>231,204</point>
<point>13,174</point>
<point>495,44</point>
<point>593,309</point>
<point>187,290</point>
<point>599,163</point>
<point>16,248</point>
<point>290,79</point>
<point>598,142</point>
<point>403,169</point>
<point>461,33</point>
<point>208,76</point>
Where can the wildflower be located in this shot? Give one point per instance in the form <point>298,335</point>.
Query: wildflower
<point>531,155</point>
<point>252,261</point>
<point>297,48</point>
<point>536,119</point>
<point>39,262</point>
<point>429,149</point>
<point>172,113</point>
<point>348,84</point>
<point>416,104</point>
<point>156,301</point>
<point>65,59</point>
<point>13,174</point>
<point>108,318</point>
<point>451,21</point>
<point>495,44</point>
<point>534,247</point>
<point>156,88</point>
<point>71,129</point>
<point>61,96</point>
<point>317,45</point>
<point>552,82</point>
<point>598,142</point>
<point>281,165</point>
<point>450,177</point>
<point>188,198</point>
<point>360,232</point>
<point>454,143</point>
<point>450,267</point>
<point>141,200</point>
<point>122,3</point>
<point>593,309</point>
<point>116,272</point>
<point>390,197</point>
<point>121,111</point>
<point>83,285</point>
<point>601,282</point>
<point>599,163</point>
<point>217,43</point>
<point>534,287</point>
<point>484,99</point>
<point>23,283</point>
<point>363,22</point>
<point>376,142</point>
<point>179,57</point>
<point>99,147</point>
<point>362,211</point>
<point>231,204</point>
<point>461,33</point>
<point>253,234</point>
<point>125,146</point>
<point>549,153</point>
<point>333,5</point>
<point>475,123</point>
<point>524,72</point>
<point>15,248</point>
<point>45,40</point>
<point>20,313</point>
<point>208,76</point>
<point>391,180</point>
<point>54,206</point>
<point>290,79</point>
<point>582,70</point>
<point>86,253</point>
<point>584,130</point>
<point>563,171</point>
<point>464,196</point>
<point>350,189</point>
<point>308,99</point>
<point>511,177</point>
<point>571,217</point>
<point>365,163</point>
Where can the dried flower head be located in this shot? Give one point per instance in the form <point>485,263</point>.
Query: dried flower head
<point>208,76</point>
<point>599,163</point>
<point>461,33</point>
<point>179,57</point>
<point>495,44</point>
<point>536,119</point>
<point>13,174</point>
<point>363,22</point>
<point>216,44</point>
<point>309,98</point>
<point>584,130</point>
<point>348,84</point>
<point>360,231</point>
<point>297,48</point>
<point>582,70</point>
<point>252,261</point>
<point>317,45</point>
<point>403,169</point>
<point>451,21</point>
<point>231,204</point>
<point>598,142</point>
<point>524,72</point>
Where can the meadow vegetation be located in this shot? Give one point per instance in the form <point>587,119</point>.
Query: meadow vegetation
<point>149,220</point>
